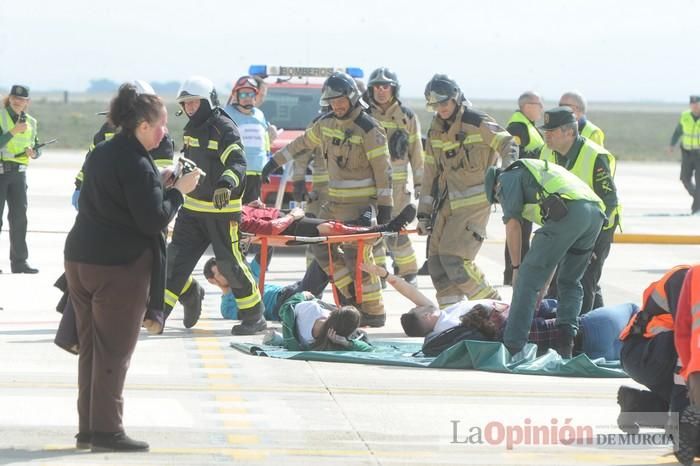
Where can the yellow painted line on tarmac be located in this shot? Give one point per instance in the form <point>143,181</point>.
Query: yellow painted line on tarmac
<point>215,365</point>
<point>236,424</point>
<point>232,410</point>
<point>640,238</point>
<point>427,392</point>
<point>241,439</point>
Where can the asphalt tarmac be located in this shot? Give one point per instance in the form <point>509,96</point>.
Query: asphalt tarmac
<point>197,401</point>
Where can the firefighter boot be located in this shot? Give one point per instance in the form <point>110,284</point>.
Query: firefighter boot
<point>424,269</point>
<point>192,304</point>
<point>252,321</point>
<point>370,320</point>
<point>640,408</point>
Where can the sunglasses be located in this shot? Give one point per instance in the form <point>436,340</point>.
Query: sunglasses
<point>246,95</point>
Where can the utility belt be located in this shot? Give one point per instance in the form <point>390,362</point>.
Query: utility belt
<point>694,152</point>
<point>8,167</point>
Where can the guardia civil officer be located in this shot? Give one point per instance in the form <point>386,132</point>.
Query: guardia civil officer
<point>595,166</point>
<point>211,212</point>
<point>571,215</point>
<point>18,138</point>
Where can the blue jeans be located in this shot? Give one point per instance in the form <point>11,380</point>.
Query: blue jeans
<point>601,330</point>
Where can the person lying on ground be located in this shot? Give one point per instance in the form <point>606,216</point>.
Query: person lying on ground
<point>314,281</point>
<point>311,324</point>
<point>598,329</point>
<point>256,218</point>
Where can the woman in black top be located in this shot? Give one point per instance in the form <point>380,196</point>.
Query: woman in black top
<point>113,254</point>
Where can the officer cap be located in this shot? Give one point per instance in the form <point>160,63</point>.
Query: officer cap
<point>19,90</point>
<point>694,99</point>
<point>490,183</point>
<point>558,116</point>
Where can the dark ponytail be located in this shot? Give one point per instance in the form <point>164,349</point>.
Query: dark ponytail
<point>129,108</point>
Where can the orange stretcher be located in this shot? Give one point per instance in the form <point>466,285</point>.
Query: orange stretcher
<point>283,240</point>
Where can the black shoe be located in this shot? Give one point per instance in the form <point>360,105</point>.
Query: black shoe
<point>564,343</point>
<point>375,321</point>
<point>424,269</point>
<point>23,267</point>
<point>688,435</point>
<point>405,217</point>
<point>116,441</point>
<point>83,440</point>
<point>192,304</point>
<point>411,279</point>
<point>249,328</point>
<point>368,217</point>
<point>640,408</point>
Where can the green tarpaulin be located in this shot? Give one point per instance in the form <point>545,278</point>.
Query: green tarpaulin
<point>479,355</point>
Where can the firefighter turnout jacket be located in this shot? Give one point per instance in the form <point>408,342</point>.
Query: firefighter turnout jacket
<point>356,155</point>
<point>215,146</point>
<point>458,152</point>
<point>403,136</point>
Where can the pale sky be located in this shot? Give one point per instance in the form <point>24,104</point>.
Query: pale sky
<point>612,50</point>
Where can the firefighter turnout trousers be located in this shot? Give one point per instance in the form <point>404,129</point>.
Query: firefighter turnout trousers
<point>192,234</point>
<point>399,246</point>
<point>345,257</point>
<point>456,239</point>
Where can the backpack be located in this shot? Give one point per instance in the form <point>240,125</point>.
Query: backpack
<point>449,338</point>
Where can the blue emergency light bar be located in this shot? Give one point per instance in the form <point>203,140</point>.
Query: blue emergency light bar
<point>319,72</point>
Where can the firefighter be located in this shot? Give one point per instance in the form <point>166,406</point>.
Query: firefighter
<point>404,139</point>
<point>688,131</point>
<point>253,127</point>
<point>314,160</point>
<point>649,357</point>
<point>359,171</point>
<point>211,212</point>
<point>529,140</point>
<point>18,138</point>
<point>462,143</point>
<point>586,128</point>
<point>595,165</point>
<point>687,340</point>
<point>571,215</point>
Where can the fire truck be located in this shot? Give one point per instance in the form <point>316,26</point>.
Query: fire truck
<point>292,102</point>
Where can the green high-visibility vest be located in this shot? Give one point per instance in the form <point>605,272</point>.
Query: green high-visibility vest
<point>14,150</point>
<point>592,132</point>
<point>691,131</point>
<point>553,179</point>
<point>536,141</point>
<point>584,167</point>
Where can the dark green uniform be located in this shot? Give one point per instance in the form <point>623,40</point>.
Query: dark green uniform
<point>567,242</point>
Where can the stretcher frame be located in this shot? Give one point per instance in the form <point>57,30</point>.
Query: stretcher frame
<point>286,240</point>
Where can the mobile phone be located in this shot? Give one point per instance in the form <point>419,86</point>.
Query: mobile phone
<point>22,118</point>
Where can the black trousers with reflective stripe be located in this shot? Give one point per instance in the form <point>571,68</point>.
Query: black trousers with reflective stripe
<point>13,190</point>
<point>192,235</point>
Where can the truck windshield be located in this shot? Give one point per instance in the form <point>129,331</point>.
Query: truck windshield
<point>291,108</point>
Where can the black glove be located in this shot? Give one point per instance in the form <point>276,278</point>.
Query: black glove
<point>221,197</point>
<point>300,194</point>
<point>269,167</point>
<point>383,214</point>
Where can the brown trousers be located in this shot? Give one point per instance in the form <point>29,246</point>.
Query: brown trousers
<point>109,302</point>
